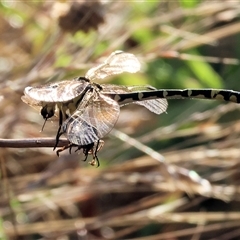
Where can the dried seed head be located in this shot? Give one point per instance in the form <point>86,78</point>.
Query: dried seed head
<point>81,16</point>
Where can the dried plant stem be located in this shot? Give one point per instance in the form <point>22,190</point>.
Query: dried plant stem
<point>32,143</point>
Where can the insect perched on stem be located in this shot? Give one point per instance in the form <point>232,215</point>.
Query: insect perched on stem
<point>88,111</point>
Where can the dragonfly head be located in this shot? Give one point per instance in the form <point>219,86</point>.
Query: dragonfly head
<point>47,111</point>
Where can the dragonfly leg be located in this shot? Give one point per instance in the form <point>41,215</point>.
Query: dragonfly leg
<point>94,150</point>
<point>91,148</point>
<point>87,149</point>
<point>93,162</point>
<point>59,133</point>
<point>70,145</point>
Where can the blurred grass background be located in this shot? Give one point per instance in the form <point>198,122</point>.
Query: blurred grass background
<point>181,44</point>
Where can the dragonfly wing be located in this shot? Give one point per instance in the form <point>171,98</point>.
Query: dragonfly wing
<point>31,102</point>
<point>156,106</point>
<point>47,110</point>
<point>118,62</point>
<point>56,92</point>
<point>92,122</point>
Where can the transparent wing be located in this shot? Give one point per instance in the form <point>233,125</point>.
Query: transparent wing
<point>156,106</point>
<point>56,92</point>
<point>118,62</point>
<point>92,121</point>
<point>47,110</point>
<point>31,102</point>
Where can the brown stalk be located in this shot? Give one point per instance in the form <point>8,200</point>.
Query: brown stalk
<point>32,143</point>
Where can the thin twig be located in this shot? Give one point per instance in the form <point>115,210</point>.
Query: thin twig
<point>32,143</point>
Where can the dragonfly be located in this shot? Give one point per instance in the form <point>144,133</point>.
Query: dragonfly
<point>88,111</point>
<point>85,114</point>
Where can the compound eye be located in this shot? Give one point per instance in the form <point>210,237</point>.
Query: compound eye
<point>47,112</point>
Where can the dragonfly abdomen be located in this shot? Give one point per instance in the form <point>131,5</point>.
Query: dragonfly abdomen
<point>219,94</point>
